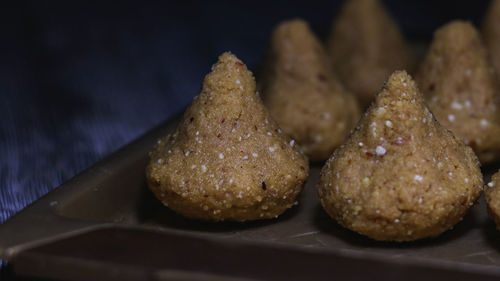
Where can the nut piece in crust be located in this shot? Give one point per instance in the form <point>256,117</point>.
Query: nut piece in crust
<point>366,46</point>
<point>401,176</point>
<point>491,34</point>
<point>302,93</point>
<point>492,196</point>
<point>461,90</point>
<point>227,159</point>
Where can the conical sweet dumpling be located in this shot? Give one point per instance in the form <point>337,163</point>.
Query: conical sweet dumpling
<point>461,90</point>
<point>491,34</point>
<point>303,95</point>
<point>366,46</point>
<point>400,176</point>
<point>227,159</point>
<point>492,196</point>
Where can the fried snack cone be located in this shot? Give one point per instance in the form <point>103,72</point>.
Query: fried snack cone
<point>401,176</point>
<point>302,93</point>
<point>366,46</point>
<point>492,197</point>
<point>491,34</point>
<point>461,90</point>
<point>227,158</point>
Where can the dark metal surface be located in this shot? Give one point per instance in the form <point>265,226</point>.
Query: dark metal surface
<point>105,223</point>
<point>136,254</point>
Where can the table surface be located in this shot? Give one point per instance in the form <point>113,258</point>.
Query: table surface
<point>78,80</point>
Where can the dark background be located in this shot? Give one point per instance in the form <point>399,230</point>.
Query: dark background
<point>79,79</point>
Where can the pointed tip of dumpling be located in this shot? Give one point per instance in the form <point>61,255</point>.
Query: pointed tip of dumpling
<point>229,63</point>
<point>458,33</point>
<point>401,81</point>
<point>228,58</point>
<point>293,27</point>
<point>295,36</point>
<point>400,87</point>
<point>296,49</point>
<point>456,56</point>
<point>229,73</point>
<point>396,108</point>
<point>357,3</point>
<point>372,8</point>
<point>365,46</point>
<point>293,23</point>
<point>459,24</point>
<point>456,42</point>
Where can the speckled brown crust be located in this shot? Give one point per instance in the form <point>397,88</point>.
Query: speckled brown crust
<point>492,197</point>
<point>460,88</point>
<point>227,159</point>
<point>302,93</point>
<point>401,176</point>
<point>491,34</point>
<point>366,46</point>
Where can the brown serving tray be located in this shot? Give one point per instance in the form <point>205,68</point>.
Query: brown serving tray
<point>105,224</point>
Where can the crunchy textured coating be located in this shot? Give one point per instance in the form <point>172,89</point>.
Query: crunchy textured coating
<point>401,176</point>
<point>491,34</point>
<point>303,95</point>
<point>227,159</point>
<point>366,46</point>
<point>460,88</point>
<point>492,197</point>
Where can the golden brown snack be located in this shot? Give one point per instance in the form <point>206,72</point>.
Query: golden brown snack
<point>401,176</point>
<point>227,159</point>
<point>302,93</point>
<point>491,34</point>
<point>366,46</point>
<point>492,197</point>
<point>461,90</point>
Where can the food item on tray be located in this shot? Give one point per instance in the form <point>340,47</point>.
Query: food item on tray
<point>401,176</point>
<point>227,159</point>
<point>491,34</point>
<point>303,95</point>
<point>461,90</point>
<point>492,197</point>
<point>366,46</point>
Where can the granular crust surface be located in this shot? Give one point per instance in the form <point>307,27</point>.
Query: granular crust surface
<point>461,89</point>
<point>227,158</point>
<point>492,197</point>
<point>302,93</point>
<point>400,176</point>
